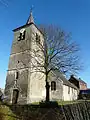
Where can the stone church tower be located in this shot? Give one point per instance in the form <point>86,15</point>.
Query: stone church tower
<point>22,84</point>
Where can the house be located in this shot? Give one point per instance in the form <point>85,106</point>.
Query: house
<point>80,84</point>
<point>24,84</point>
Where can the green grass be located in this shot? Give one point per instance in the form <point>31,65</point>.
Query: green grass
<point>59,102</point>
<point>66,102</point>
<point>71,102</point>
<point>35,103</point>
<point>6,113</point>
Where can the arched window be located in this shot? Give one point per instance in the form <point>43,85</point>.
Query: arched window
<point>53,85</point>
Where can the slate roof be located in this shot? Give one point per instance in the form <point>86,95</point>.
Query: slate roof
<point>30,19</point>
<point>78,79</point>
<point>29,22</point>
<point>65,81</point>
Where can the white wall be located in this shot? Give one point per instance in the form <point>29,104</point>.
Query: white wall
<point>69,96</point>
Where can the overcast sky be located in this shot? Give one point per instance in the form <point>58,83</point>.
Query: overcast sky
<point>71,15</point>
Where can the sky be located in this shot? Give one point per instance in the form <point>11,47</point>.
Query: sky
<point>71,15</point>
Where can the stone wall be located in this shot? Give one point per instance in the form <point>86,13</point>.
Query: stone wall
<point>22,84</point>
<point>31,84</point>
<point>36,84</point>
<point>19,62</point>
<point>57,94</point>
<point>78,111</point>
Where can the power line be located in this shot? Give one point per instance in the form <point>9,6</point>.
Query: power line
<point>4,2</point>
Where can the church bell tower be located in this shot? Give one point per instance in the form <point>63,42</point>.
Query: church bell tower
<point>23,86</point>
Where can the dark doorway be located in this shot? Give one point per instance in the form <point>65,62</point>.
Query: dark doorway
<point>15,96</point>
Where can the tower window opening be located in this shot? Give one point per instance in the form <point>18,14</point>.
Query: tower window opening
<point>21,36</point>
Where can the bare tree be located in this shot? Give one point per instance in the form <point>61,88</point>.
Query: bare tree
<point>60,53</point>
<point>55,52</point>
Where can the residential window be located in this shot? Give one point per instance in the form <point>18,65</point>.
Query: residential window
<point>68,90</point>
<point>37,38</point>
<point>21,36</point>
<point>53,85</point>
<point>17,75</point>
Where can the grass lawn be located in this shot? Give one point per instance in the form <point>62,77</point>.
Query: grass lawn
<point>6,113</point>
<point>64,102</point>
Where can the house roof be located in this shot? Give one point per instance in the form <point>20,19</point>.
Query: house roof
<point>78,79</point>
<point>65,81</point>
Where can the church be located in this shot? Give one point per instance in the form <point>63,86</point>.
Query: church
<point>24,85</point>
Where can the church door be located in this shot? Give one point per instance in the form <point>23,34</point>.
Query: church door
<point>15,96</point>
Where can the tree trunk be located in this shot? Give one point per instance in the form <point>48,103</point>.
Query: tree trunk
<point>47,90</point>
